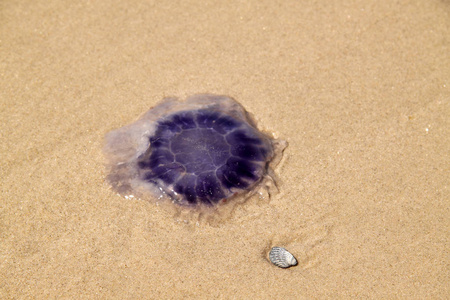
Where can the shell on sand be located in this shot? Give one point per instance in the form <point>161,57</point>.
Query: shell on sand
<point>282,258</point>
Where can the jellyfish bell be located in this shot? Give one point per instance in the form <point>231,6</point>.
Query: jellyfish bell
<point>201,152</point>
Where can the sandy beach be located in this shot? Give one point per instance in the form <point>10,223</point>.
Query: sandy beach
<point>359,90</point>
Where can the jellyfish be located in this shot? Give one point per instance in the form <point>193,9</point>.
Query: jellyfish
<point>203,151</point>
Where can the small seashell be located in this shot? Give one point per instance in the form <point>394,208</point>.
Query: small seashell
<point>282,258</point>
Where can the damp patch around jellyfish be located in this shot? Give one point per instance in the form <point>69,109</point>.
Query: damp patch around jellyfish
<point>203,151</point>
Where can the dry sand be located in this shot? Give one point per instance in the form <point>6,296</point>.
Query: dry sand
<point>359,89</point>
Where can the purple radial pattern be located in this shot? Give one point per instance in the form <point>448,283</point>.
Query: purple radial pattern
<point>221,153</point>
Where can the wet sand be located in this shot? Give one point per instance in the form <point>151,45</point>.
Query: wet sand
<point>359,90</point>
